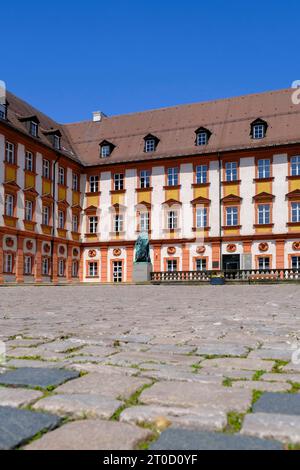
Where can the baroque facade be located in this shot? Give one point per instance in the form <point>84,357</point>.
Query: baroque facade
<point>216,185</point>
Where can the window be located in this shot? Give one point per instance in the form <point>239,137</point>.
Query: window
<point>61,220</point>
<point>264,214</point>
<point>231,170</point>
<point>118,223</point>
<point>295,212</point>
<point>295,166</point>
<point>259,131</point>
<point>28,161</point>
<point>201,217</point>
<point>75,182</point>
<point>118,181</point>
<point>145,179</point>
<point>201,174</point>
<point>231,216</point>
<point>56,142</point>
<point>295,262</point>
<point>264,169</point>
<point>61,267</point>
<point>201,264</point>
<point>9,205</point>
<point>61,176</point>
<point>171,265</point>
<point>10,153</point>
<point>28,210</point>
<point>93,224</point>
<point>172,220</point>
<point>94,184</point>
<point>117,271</point>
<point>33,128</point>
<point>264,263</point>
<point>93,269</point>
<point>46,215</point>
<point>75,224</point>
<point>8,263</point>
<point>74,268</point>
<point>105,151</point>
<point>144,221</point>
<point>202,138</point>
<point>27,265</point>
<point>3,111</point>
<point>150,145</point>
<point>45,266</point>
<point>46,169</point>
<point>172,176</point>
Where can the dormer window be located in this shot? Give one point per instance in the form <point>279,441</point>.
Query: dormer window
<point>106,149</point>
<point>32,124</point>
<point>151,143</point>
<point>202,136</point>
<point>3,110</point>
<point>55,138</point>
<point>56,142</point>
<point>258,129</point>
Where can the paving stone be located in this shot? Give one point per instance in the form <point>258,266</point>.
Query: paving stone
<point>23,343</point>
<point>197,395</point>
<point>293,368</point>
<point>227,373</point>
<point>113,386</point>
<point>162,417</point>
<point>174,375</point>
<point>278,403</point>
<point>262,386</point>
<point>34,353</point>
<point>238,363</point>
<point>182,439</point>
<point>37,377</point>
<point>134,358</point>
<point>64,345</point>
<point>18,396</point>
<point>79,406</point>
<point>283,428</point>
<point>99,351</point>
<point>18,426</point>
<point>21,363</point>
<point>222,349</point>
<point>282,355</point>
<point>281,378</point>
<point>103,369</point>
<point>91,359</point>
<point>92,435</point>
<point>171,349</point>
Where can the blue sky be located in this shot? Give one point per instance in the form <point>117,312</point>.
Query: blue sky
<point>70,58</point>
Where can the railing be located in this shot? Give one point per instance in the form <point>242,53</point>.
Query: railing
<point>236,275</point>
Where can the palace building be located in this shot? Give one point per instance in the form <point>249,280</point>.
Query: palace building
<point>216,185</point>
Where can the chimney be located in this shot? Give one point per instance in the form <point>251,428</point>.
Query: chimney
<point>97,116</point>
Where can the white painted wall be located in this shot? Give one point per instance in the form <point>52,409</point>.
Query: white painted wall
<point>247,192</point>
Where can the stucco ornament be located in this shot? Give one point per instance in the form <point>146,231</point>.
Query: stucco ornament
<point>117,252</point>
<point>171,250</point>
<point>92,253</point>
<point>263,247</point>
<point>200,250</point>
<point>296,246</point>
<point>231,248</point>
<point>142,249</point>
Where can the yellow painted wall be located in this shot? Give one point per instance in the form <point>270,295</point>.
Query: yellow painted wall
<point>144,196</point>
<point>231,189</point>
<point>76,198</point>
<point>264,187</point>
<point>10,173</point>
<point>172,194</point>
<point>201,192</point>
<point>62,194</point>
<point>46,187</point>
<point>117,199</point>
<point>92,201</point>
<point>29,181</point>
<point>294,184</point>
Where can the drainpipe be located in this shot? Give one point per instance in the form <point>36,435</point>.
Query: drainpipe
<point>53,211</point>
<point>220,207</point>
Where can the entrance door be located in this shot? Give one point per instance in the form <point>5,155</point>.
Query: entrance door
<point>231,262</point>
<point>117,271</point>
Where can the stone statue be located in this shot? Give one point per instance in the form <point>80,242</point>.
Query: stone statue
<point>142,250</point>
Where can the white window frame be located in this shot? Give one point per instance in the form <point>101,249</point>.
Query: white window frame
<point>28,210</point>
<point>46,168</point>
<point>61,220</point>
<point>173,176</point>
<point>259,131</point>
<point>27,265</point>
<point>264,262</point>
<point>33,128</point>
<point>61,267</point>
<point>144,221</point>
<point>9,205</point>
<point>150,145</point>
<point>105,151</point>
<point>75,223</point>
<point>264,214</point>
<point>10,153</point>
<point>61,176</point>
<point>201,174</point>
<point>75,181</point>
<point>172,265</point>
<point>201,217</point>
<point>295,165</point>
<point>75,268</point>
<point>56,142</point>
<point>94,184</point>
<point>295,209</point>
<point>232,216</point>
<point>118,223</point>
<point>297,262</point>
<point>172,220</point>
<point>117,271</point>
<point>93,269</point>
<point>93,224</point>
<point>201,264</point>
<point>45,266</point>
<point>8,263</point>
<point>28,161</point>
<point>231,170</point>
<point>264,168</point>
<point>202,138</point>
<point>119,181</point>
<point>145,179</point>
<point>46,215</point>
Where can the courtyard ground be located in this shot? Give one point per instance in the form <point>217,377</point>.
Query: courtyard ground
<point>158,367</point>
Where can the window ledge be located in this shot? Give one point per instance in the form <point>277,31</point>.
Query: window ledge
<point>228,227</point>
<point>202,229</point>
<point>264,180</point>
<point>263,225</point>
<point>140,190</point>
<point>229,183</point>
<point>96,193</point>
<point>200,185</point>
<point>117,191</point>
<point>291,224</point>
<point>11,165</point>
<point>293,178</point>
<point>178,186</point>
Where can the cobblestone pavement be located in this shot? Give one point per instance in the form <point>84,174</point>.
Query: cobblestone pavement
<point>158,367</point>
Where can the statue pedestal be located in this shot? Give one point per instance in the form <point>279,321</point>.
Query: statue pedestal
<point>142,272</point>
